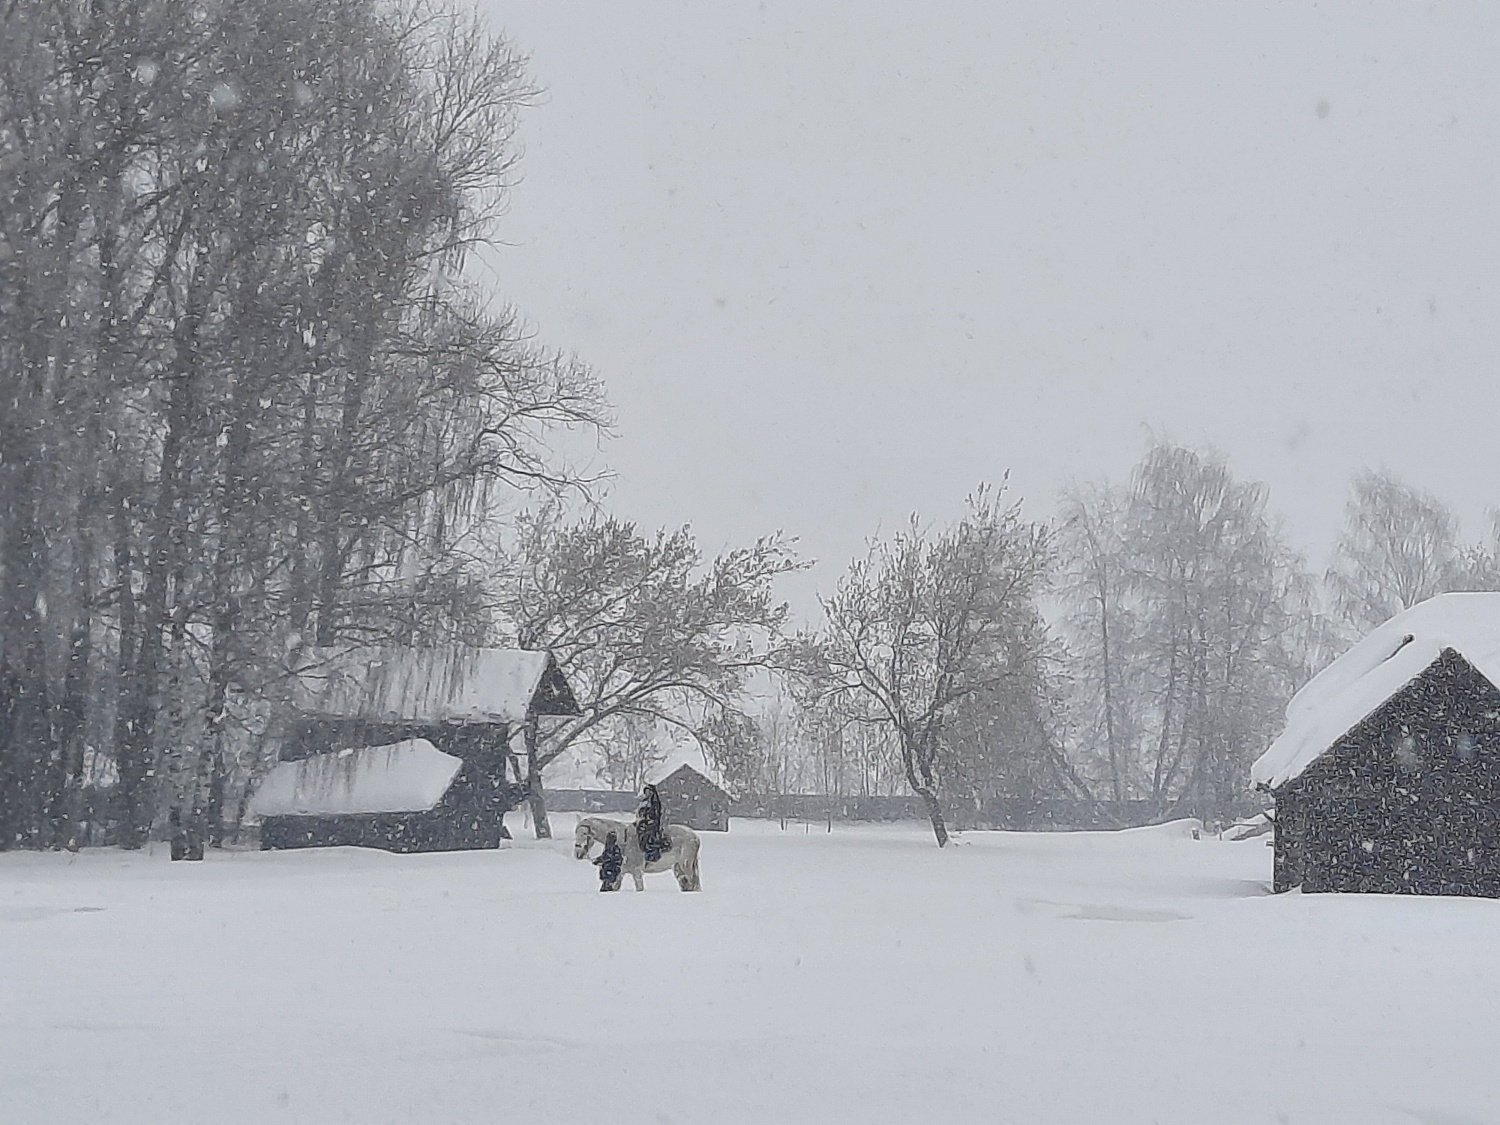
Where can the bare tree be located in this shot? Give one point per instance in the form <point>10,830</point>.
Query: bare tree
<point>1217,589</point>
<point>927,624</point>
<point>741,752</point>
<point>1476,567</point>
<point>1188,621</point>
<point>1398,547</point>
<point>1094,579</point>
<point>848,750</point>
<point>630,746</point>
<point>643,627</point>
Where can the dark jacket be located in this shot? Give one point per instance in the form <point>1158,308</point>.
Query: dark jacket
<point>648,823</point>
<point>610,862</point>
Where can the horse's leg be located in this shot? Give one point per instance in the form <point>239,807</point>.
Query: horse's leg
<point>682,867</point>
<point>640,883</point>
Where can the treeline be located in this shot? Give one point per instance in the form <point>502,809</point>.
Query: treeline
<point>249,407</point>
<point>1141,647</point>
<point>247,403</point>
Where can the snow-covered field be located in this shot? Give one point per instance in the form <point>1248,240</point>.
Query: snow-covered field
<point>861,976</point>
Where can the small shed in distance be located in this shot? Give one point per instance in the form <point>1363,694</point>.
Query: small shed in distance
<point>1387,776</point>
<point>405,749</point>
<point>689,798</point>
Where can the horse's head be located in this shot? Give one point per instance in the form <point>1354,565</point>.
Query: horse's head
<point>583,840</point>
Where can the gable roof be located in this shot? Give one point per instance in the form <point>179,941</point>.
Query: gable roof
<point>434,685</point>
<point>1347,691</point>
<point>685,777</point>
<point>693,757</point>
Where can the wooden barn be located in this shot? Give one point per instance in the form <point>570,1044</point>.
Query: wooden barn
<point>1387,776</point>
<point>405,750</point>
<point>689,798</point>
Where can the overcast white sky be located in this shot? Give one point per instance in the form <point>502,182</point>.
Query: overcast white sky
<point>839,262</point>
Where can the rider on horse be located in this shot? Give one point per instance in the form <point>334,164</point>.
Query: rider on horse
<point>649,828</point>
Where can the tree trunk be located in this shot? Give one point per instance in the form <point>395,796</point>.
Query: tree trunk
<point>29,496</point>
<point>165,539</point>
<point>534,794</point>
<point>1165,741</point>
<point>1109,699</point>
<point>242,806</point>
<point>916,756</point>
<point>29,749</point>
<point>217,782</point>
<point>934,814</point>
<point>134,717</point>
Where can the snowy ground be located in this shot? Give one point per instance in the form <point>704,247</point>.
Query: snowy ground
<point>859,976</point>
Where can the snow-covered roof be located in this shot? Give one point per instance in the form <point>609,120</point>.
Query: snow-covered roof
<point>684,754</point>
<point>409,776</point>
<point>1348,690</point>
<point>447,685</point>
<point>689,775</point>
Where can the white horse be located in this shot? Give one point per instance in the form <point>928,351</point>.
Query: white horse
<point>681,859</point>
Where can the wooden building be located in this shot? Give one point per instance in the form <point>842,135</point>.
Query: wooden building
<point>689,798</point>
<point>1387,776</point>
<point>405,750</point>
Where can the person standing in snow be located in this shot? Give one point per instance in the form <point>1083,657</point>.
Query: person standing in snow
<point>611,860</point>
<point>648,825</point>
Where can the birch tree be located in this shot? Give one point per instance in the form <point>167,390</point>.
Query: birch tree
<point>1398,547</point>
<point>1094,579</point>
<point>1189,625</point>
<point>1477,565</point>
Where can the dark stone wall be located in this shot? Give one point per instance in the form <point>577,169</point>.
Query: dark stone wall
<point>702,814</point>
<point>1042,814</point>
<point>1289,831</point>
<point>393,832</point>
<point>1408,801</point>
<point>597,801</point>
<point>691,799</point>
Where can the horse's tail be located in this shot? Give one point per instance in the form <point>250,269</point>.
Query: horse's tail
<point>688,876</point>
